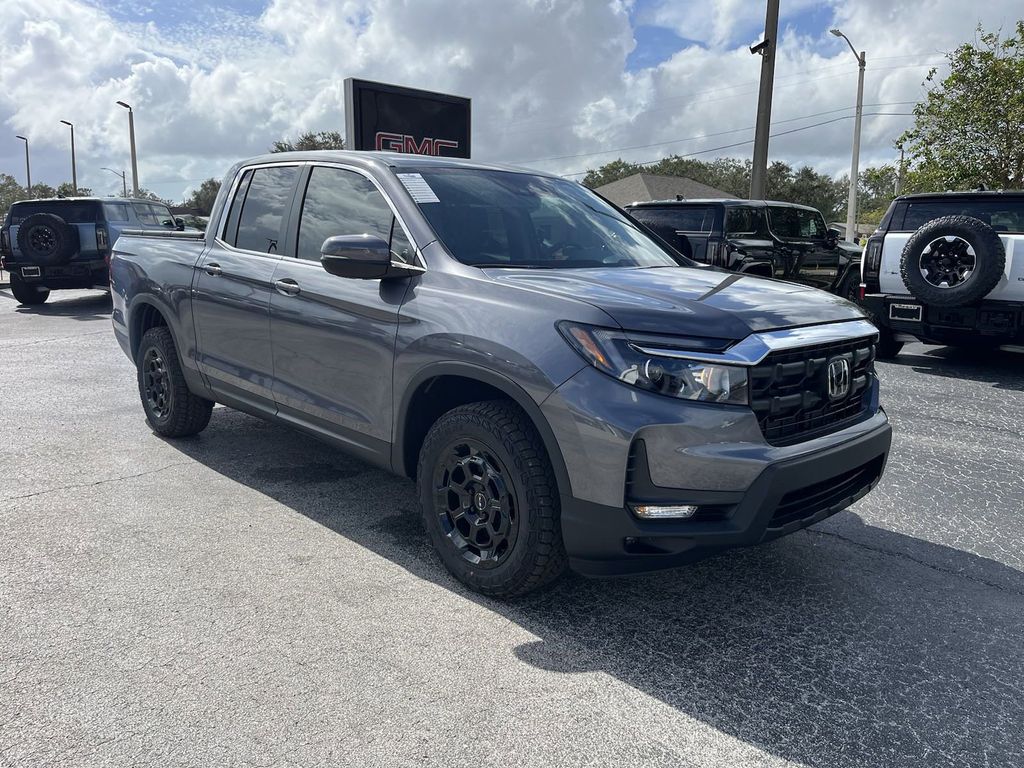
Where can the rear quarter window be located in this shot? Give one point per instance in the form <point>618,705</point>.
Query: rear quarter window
<point>1003,215</point>
<point>677,218</point>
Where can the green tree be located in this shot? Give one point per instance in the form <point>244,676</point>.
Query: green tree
<point>202,199</point>
<point>310,140</point>
<point>802,185</point>
<point>42,190</point>
<point>967,131</point>
<point>64,189</point>
<point>11,191</point>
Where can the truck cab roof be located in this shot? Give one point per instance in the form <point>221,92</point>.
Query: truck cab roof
<point>719,201</point>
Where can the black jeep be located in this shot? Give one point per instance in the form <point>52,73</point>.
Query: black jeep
<point>761,237</point>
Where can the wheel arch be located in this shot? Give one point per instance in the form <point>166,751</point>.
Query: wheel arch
<point>146,314</point>
<point>438,388</point>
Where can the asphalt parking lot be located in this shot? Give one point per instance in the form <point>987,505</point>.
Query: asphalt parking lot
<point>253,597</point>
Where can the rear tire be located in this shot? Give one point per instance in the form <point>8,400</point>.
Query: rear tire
<point>490,501</point>
<point>28,295</point>
<point>171,409</point>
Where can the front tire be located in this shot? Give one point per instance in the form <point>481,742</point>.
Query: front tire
<point>26,294</point>
<point>171,409</point>
<point>490,501</point>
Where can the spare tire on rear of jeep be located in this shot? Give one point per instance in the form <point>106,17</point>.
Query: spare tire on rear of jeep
<point>952,261</point>
<point>46,239</point>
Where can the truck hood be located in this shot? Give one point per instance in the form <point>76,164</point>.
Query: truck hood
<point>688,301</point>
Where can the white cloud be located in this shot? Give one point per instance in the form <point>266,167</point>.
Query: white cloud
<point>548,78</point>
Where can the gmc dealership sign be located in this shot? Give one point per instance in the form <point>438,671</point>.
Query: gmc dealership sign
<point>391,118</point>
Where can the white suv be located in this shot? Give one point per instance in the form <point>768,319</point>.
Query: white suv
<point>947,268</point>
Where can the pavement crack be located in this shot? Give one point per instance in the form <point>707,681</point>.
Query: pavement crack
<point>105,481</point>
<point>925,563</point>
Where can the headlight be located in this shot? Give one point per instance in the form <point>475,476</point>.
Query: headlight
<point>612,353</point>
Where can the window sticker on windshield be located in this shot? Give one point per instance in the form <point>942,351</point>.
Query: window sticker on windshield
<point>418,188</point>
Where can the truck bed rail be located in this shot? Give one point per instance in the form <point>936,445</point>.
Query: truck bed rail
<point>171,234</point>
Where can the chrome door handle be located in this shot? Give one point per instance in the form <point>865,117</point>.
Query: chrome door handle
<point>213,270</point>
<point>287,287</point>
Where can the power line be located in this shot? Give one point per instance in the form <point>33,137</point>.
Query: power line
<point>707,135</point>
<point>751,141</point>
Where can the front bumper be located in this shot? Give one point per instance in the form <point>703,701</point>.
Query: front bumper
<point>785,497</point>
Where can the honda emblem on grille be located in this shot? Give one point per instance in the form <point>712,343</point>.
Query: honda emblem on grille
<point>838,378</point>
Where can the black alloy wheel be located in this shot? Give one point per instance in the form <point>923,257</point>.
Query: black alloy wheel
<point>43,239</point>
<point>948,261</point>
<point>489,499</point>
<point>476,505</point>
<point>171,408</point>
<point>157,384</point>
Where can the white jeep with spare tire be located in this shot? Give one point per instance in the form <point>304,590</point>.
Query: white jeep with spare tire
<point>947,268</point>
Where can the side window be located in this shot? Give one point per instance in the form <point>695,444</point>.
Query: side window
<point>340,202</point>
<point>230,233</point>
<point>262,219</point>
<point>744,222</point>
<point>116,211</point>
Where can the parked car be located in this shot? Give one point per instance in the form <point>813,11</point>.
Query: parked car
<point>59,243</point>
<point>757,237</point>
<point>566,390</point>
<point>947,268</point>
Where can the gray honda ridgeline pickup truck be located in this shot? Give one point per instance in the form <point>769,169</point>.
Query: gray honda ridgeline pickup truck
<point>566,389</point>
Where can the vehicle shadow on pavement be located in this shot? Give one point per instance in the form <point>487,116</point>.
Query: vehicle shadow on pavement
<point>1001,369</point>
<point>847,644</point>
<point>96,306</point>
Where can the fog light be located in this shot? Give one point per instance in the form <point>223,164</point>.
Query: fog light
<point>657,512</point>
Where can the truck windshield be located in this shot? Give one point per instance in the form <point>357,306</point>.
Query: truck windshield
<point>491,218</point>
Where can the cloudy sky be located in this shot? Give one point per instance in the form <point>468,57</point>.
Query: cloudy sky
<point>560,85</point>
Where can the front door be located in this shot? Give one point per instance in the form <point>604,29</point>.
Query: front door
<point>334,337</point>
<point>232,287</point>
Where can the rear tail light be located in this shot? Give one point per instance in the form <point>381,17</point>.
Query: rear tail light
<point>873,256</point>
<point>102,241</point>
<point>5,243</point>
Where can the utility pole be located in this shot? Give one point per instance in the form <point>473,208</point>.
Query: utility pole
<point>759,170</point>
<point>74,170</point>
<point>131,136</point>
<point>28,167</point>
<point>851,207</point>
<point>124,182</point>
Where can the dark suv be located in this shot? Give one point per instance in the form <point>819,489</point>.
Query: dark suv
<point>759,237</point>
<point>65,242</point>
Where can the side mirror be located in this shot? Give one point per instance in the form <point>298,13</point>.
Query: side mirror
<point>179,223</point>
<point>363,257</point>
<point>834,234</point>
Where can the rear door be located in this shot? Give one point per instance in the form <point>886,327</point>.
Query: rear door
<point>233,283</point>
<point>334,337</point>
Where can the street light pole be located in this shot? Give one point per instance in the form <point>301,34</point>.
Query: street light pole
<point>131,136</point>
<point>851,207</point>
<point>124,181</point>
<point>74,171</point>
<point>759,169</point>
<point>28,167</point>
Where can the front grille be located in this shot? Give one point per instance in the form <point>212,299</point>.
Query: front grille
<point>789,391</point>
<point>812,499</point>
